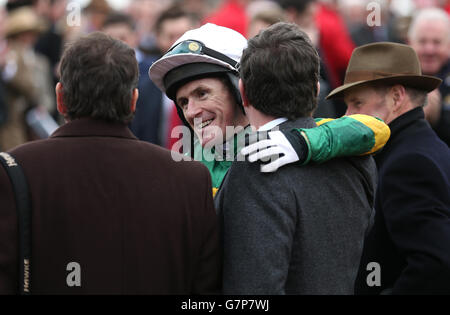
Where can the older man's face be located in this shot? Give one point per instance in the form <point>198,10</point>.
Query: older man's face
<point>432,43</point>
<point>368,101</point>
<point>209,108</point>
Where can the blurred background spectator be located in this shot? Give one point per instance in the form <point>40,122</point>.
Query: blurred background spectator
<point>263,14</point>
<point>122,27</point>
<point>429,35</point>
<point>355,14</point>
<point>155,113</point>
<point>170,26</point>
<point>144,14</point>
<point>26,75</point>
<point>95,14</point>
<point>51,41</point>
<point>334,40</point>
<point>201,8</point>
<point>152,26</point>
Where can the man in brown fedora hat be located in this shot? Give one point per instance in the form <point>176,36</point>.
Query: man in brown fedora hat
<point>408,248</point>
<point>410,240</point>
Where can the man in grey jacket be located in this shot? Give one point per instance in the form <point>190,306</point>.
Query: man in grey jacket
<point>299,230</point>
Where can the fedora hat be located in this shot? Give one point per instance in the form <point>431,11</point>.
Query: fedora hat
<point>23,20</point>
<point>389,63</point>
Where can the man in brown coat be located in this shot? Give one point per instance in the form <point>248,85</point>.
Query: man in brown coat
<point>110,214</point>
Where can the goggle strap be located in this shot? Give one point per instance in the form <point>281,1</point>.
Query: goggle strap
<point>215,54</point>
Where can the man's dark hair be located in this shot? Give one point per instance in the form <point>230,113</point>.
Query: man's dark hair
<point>119,18</point>
<point>280,71</point>
<point>98,75</point>
<point>173,13</point>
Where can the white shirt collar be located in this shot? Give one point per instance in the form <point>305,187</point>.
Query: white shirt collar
<point>272,124</point>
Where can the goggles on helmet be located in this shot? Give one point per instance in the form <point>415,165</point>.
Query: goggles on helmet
<point>198,48</point>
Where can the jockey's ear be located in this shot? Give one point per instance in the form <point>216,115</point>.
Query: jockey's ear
<point>243,96</point>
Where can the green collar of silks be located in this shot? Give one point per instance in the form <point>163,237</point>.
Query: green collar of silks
<point>218,159</point>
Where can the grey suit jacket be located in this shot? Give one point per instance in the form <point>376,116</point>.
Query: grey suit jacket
<point>299,230</point>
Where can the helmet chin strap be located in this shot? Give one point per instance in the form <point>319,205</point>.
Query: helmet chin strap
<point>234,80</point>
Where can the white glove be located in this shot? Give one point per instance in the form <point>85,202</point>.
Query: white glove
<point>277,149</point>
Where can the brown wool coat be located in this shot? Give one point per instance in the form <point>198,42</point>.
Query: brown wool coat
<point>133,219</point>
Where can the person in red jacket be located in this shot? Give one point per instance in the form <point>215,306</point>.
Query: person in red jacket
<point>231,14</point>
<point>335,41</point>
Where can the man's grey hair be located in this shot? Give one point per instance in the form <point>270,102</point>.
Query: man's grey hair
<point>418,97</point>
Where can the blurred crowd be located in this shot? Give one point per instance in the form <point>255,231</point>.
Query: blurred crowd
<point>33,34</point>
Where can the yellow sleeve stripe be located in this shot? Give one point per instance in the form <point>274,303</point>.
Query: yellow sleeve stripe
<point>323,121</point>
<point>380,130</point>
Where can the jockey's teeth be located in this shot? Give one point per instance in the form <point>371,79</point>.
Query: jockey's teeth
<point>204,124</point>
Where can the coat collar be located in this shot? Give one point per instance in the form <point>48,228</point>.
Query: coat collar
<point>403,121</point>
<point>302,122</point>
<point>399,126</point>
<point>89,127</point>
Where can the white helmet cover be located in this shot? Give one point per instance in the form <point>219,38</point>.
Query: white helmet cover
<point>211,44</point>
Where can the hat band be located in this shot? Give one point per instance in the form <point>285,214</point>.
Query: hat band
<point>356,76</point>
